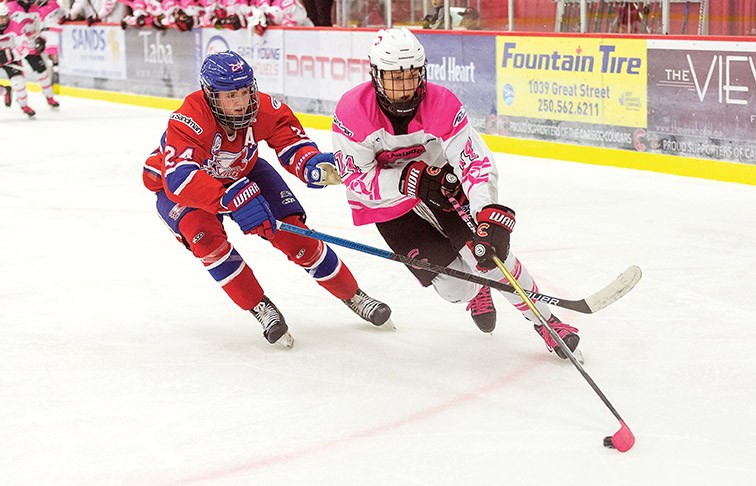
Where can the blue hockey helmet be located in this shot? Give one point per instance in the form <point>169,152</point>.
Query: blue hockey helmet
<point>228,71</point>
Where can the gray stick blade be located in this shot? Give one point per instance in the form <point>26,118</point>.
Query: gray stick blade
<point>615,290</point>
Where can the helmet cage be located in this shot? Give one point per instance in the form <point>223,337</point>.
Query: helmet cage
<point>408,101</point>
<point>232,121</point>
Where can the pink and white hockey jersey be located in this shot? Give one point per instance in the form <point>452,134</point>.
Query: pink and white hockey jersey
<point>370,156</point>
<point>12,52</point>
<point>51,13</point>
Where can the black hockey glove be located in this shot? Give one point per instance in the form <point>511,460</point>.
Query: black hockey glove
<point>491,238</point>
<point>431,185</point>
<point>39,45</point>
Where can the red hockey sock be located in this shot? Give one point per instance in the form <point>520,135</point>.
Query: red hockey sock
<point>320,261</point>
<point>208,242</point>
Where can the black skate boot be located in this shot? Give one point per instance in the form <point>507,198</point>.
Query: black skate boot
<point>482,309</point>
<point>7,95</point>
<point>565,331</point>
<point>373,311</point>
<point>273,323</point>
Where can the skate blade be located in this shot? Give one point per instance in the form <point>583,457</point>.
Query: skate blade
<point>286,341</point>
<point>388,325</point>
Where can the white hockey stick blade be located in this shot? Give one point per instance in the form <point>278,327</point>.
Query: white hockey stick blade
<point>615,290</point>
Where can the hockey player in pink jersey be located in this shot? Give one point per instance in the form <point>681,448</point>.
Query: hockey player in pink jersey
<point>26,25</point>
<point>401,146</point>
<point>11,56</point>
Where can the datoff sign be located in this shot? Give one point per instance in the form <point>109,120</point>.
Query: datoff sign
<point>325,64</point>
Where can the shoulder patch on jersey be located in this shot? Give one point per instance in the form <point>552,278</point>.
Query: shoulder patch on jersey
<point>461,114</point>
<point>276,104</point>
<point>337,123</point>
<point>188,121</point>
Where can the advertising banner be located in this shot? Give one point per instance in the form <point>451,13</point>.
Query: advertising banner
<point>264,53</point>
<point>702,99</point>
<point>466,65</point>
<point>93,52</point>
<point>322,64</point>
<point>161,62</point>
<point>583,80</point>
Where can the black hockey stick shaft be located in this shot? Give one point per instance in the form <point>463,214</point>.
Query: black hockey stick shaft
<point>576,305</point>
<point>623,439</point>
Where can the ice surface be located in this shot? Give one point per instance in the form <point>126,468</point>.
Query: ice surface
<point>121,362</point>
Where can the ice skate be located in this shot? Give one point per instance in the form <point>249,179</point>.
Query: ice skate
<point>274,325</point>
<point>52,103</point>
<point>482,309</point>
<point>372,310</point>
<point>566,332</point>
<point>7,95</point>
<point>28,111</point>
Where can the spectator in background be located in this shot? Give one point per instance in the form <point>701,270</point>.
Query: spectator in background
<point>93,11</point>
<point>459,17</point>
<point>277,12</point>
<point>629,18</point>
<point>319,12</point>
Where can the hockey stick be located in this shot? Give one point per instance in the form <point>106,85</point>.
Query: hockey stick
<point>623,439</point>
<point>589,305</point>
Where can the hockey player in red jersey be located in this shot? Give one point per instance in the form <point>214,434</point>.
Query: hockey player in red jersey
<point>207,167</point>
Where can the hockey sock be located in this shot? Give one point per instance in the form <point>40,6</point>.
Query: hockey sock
<point>207,240</point>
<point>318,259</point>
<point>19,86</point>
<point>523,277</point>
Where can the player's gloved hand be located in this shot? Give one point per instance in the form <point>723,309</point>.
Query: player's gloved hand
<point>248,208</point>
<point>432,185</point>
<point>320,171</point>
<point>491,238</point>
<point>39,45</point>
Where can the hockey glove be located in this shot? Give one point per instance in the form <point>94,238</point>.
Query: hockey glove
<point>491,238</point>
<point>320,171</point>
<point>39,45</point>
<point>249,209</point>
<point>432,185</point>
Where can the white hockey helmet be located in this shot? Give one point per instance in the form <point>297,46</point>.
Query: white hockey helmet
<point>397,50</point>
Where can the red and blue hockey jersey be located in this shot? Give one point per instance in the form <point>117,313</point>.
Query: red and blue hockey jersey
<point>197,159</point>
